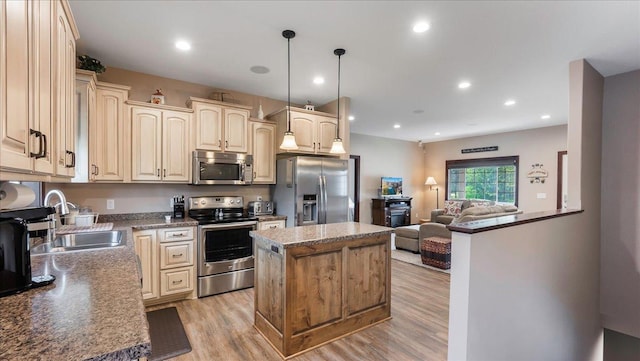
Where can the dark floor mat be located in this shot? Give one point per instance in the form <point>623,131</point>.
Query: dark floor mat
<point>168,338</point>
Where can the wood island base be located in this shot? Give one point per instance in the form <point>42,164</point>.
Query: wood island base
<point>310,294</point>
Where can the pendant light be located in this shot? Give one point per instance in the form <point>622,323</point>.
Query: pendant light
<point>336,146</point>
<point>289,140</point>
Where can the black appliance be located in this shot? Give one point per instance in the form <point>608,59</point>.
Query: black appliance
<point>15,257</point>
<point>225,249</point>
<point>178,207</point>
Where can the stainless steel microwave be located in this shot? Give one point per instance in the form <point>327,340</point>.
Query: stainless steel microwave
<point>221,168</point>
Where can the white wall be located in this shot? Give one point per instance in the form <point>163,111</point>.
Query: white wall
<point>620,233</point>
<point>533,146</point>
<point>525,293</point>
<point>392,158</point>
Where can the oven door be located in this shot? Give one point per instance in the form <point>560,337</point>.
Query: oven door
<point>225,247</point>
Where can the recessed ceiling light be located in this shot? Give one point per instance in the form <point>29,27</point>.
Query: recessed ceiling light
<point>421,27</point>
<point>318,80</point>
<point>183,45</point>
<point>352,118</point>
<point>418,111</point>
<point>510,102</point>
<point>436,133</point>
<point>545,116</point>
<point>464,85</point>
<point>259,69</point>
<point>396,126</point>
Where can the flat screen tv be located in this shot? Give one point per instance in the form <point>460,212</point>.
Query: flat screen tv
<point>391,186</point>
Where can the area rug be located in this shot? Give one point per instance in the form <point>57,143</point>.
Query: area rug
<point>168,338</point>
<point>414,259</point>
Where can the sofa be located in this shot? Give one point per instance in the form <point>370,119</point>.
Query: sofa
<point>408,237</point>
<point>467,210</point>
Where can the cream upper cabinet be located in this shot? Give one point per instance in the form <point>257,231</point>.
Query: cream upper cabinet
<point>175,146</point>
<point>263,148</point>
<point>65,158</point>
<point>314,131</point>
<point>219,126</point>
<point>159,144</point>
<point>34,78</point>
<point>208,126</point>
<point>107,133</point>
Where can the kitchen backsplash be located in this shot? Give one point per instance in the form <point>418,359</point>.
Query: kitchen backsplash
<point>136,197</point>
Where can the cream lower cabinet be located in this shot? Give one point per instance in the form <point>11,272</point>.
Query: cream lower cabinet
<point>263,149</point>
<point>314,131</point>
<point>167,258</point>
<point>281,223</point>
<point>159,144</point>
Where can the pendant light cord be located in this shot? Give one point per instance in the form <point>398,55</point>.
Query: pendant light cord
<point>288,85</point>
<point>338,116</point>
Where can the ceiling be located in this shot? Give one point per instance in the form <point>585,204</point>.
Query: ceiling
<point>506,50</point>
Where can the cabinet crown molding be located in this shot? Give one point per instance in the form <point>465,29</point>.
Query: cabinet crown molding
<point>216,102</point>
<point>300,110</point>
<point>159,106</point>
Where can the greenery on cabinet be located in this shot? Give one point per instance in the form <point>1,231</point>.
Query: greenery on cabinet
<point>88,63</point>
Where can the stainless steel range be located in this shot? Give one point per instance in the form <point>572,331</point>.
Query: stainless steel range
<point>225,249</point>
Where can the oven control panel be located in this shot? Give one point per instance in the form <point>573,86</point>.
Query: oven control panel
<point>216,202</point>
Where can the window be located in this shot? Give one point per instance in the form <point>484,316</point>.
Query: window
<point>494,179</point>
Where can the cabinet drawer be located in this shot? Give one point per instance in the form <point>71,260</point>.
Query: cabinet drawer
<point>175,234</point>
<point>271,224</point>
<point>176,254</point>
<point>176,281</point>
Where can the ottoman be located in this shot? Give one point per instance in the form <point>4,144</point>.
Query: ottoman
<point>436,252</point>
<point>407,238</point>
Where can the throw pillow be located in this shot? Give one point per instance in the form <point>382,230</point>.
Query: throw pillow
<point>480,203</point>
<point>509,208</point>
<point>475,211</point>
<point>452,208</point>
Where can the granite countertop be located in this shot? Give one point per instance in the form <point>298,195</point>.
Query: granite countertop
<point>92,311</point>
<point>323,233</point>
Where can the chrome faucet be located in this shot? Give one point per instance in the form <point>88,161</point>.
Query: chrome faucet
<point>64,209</point>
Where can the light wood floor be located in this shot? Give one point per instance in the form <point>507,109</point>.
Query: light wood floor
<point>221,327</point>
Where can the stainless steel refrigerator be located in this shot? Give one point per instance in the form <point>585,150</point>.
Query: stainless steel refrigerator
<point>312,190</point>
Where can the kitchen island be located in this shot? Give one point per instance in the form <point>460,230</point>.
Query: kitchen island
<point>315,284</point>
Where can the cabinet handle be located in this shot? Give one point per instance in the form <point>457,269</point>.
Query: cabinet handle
<point>314,146</point>
<point>164,172</point>
<point>93,169</point>
<point>273,227</point>
<point>226,144</point>
<point>39,136</point>
<point>43,146</point>
<point>177,282</point>
<point>177,255</point>
<point>97,170</point>
<point>219,143</point>
<point>68,152</point>
<point>158,172</point>
<point>73,159</point>
<point>177,235</point>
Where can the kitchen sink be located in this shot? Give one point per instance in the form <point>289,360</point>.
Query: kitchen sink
<point>81,241</point>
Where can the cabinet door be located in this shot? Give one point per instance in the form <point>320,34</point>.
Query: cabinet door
<point>208,126</point>
<point>146,137</point>
<point>106,140</point>
<point>65,136</point>
<point>303,127</point>
<point>263,149</point>
<point>43,92</point>
<point>14,68</point>
<point>145,247</point>
<point>271,225</point>
<point>175,146</point>
<point>235,130</point>
<point>326,133</point>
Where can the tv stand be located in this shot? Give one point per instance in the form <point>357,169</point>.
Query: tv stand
<point>391,212</point>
